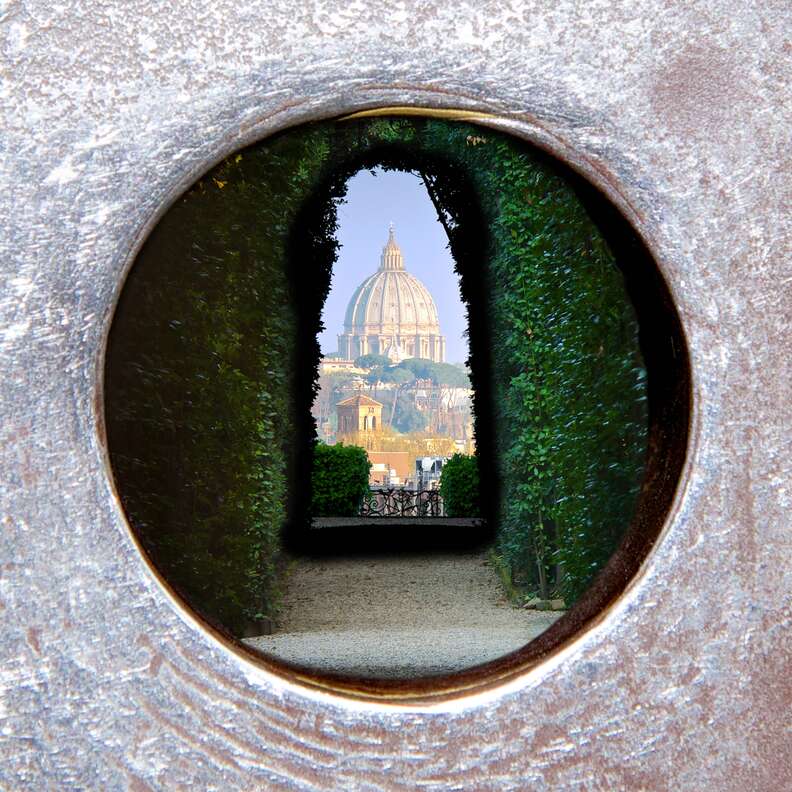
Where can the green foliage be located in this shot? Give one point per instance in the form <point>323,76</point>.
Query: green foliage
<point>568,381</point>
<point>212,359</point>
<point>439,373</point>
<point>396,374</point>
<point>339,480</point>
<point>459,486</point>
<point>371,361</point>
<point>560,388</point>
<point>200,387</point>
<point>409,418</point>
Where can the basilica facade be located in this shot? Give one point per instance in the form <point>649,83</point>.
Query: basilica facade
<point>392,313</point>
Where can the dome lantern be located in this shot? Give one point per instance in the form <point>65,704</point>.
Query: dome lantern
<point>392,258</point>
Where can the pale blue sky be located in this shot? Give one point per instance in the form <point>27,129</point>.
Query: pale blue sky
<point>372,202</point>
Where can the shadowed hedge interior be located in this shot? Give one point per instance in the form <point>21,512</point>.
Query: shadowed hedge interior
<point>212,359</point>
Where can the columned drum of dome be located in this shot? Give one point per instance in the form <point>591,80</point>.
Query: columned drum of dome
<point>392,313</point>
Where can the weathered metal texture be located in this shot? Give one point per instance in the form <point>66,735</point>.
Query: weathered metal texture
<point>679,111</point>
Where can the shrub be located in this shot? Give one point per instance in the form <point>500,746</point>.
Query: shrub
<point>339,481</point>
<point>372,361</point>
<point>459,486</point>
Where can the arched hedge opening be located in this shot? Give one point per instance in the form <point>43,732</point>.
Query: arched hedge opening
<point>212,362</point>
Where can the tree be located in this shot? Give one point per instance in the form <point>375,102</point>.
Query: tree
<point>212,365</point>
<point>200,382</point>
<point>438,373</point>
<point>372,361</point>
<point>409,418</point>
<point>395,374</point>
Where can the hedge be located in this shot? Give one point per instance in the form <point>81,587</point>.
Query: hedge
<point>459,486</point>
<point>560,386</point>
<point>339,481</point>
<point>201,386</point>
<point>212,363</point>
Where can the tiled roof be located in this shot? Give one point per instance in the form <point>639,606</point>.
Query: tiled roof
<point>359,400</point>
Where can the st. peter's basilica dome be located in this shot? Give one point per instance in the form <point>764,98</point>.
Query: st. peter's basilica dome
<point>392,313</point>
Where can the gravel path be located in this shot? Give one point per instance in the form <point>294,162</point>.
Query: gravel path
<point>398,617</point>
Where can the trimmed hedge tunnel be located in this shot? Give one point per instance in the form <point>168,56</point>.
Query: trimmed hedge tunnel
<point>581,412</point>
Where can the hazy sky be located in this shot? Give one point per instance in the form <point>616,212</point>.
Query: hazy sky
<point>372,202</point>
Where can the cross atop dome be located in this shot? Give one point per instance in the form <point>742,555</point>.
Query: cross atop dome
<point>392,258</point>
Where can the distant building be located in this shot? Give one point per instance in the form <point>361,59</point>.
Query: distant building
<point>392,313</point>
<point>390,468</point>
<point>331,365</point>
<point>361,417</point>
<point>428,471</point>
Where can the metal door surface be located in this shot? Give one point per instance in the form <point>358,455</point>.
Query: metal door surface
<point>678,112</point>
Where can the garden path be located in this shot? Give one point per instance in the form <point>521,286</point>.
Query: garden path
<point>398,616</point>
